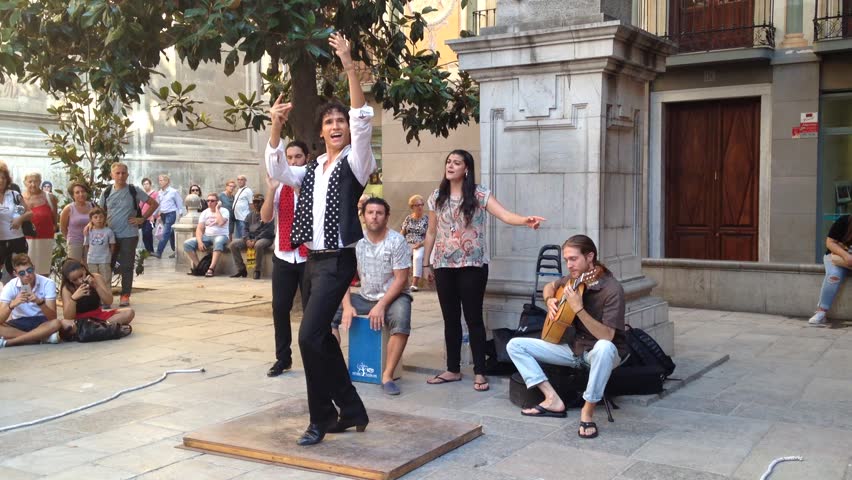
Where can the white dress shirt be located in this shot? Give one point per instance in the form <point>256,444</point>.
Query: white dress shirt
<point>170,201</point>
<point>360,158</point>
<point>292,256</point>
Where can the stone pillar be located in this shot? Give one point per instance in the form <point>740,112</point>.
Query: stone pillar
<point>184,229</point>
<point>562,121</point>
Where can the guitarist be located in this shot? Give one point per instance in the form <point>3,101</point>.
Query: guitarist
<point>599,342</point>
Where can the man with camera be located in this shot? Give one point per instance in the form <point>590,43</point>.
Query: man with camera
<point>28,306</point>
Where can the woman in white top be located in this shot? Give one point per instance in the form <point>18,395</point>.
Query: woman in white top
<point>14,211</point>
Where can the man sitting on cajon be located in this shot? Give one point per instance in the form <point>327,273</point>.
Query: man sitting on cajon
<point>384,261</point>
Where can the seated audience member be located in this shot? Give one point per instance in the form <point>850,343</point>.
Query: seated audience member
<point>28,306</point>
<point>84,293</point>
<point>212,231</point>
<point>838,262</point>
<point>384,261</point>
<point>258,235</point>
<point>599,344</point>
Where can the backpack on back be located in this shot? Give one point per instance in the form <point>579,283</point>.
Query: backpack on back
<point>203,265</point>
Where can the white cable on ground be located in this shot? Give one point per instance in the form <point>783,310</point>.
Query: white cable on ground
<point>99,402</point>
<point>776,462</point>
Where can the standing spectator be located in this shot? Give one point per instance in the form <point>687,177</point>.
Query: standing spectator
<point>259,236</point>
<point>212,231</point>
<point>124,217</point>
<point>28,306</point>
<point>288,263</point>
<point>171,208</point>
<point>74,218</point>
<point>457,214</point>
<point>99,244</point>
<point>414,228</point>
<point>44,219</point>
<point>14,211</point>
<point>227,199</point>
<point>148,226</point>
<point>197,191</point>
<point>47,188</point>
<point>242,206</point>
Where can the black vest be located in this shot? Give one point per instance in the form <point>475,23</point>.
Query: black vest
<point>350,191</point>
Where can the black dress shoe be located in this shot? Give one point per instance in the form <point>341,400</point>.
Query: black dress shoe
<point>256,275</point>
<point>342,424</point>
<point>241,273</point>
<point>278,368</point>
<point>312,436</point>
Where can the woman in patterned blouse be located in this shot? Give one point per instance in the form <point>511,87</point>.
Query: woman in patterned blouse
<point>457,213</point>
<point>414,229</point>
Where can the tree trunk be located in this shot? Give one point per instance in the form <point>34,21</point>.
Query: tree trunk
<point>305,103</point>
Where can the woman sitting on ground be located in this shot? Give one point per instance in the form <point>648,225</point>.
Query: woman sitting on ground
<point>84,294</point>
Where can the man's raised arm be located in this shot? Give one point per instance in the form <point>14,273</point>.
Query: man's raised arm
<point>275,158</point>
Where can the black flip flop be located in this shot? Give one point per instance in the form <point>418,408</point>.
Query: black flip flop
<point>588,425</point>
<point>479,384</point>
<point>438,380</point>
<point>545,412</point>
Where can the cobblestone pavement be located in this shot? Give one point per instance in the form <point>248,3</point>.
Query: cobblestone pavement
<point>786,390</point>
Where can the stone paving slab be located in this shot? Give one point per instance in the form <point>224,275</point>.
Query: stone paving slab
<point>784,390</point>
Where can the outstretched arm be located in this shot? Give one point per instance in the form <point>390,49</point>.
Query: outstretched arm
<point>498,210</point>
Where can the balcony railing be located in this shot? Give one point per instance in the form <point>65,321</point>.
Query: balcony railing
<point>833,19</point>
<point>484,18</point>
<point>702,25</point>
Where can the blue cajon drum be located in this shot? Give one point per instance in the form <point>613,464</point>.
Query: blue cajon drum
<point>368,352</point>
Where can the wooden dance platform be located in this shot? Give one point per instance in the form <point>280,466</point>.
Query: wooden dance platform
<point>393,445</point>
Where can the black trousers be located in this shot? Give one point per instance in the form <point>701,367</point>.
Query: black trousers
<point>463,289</point>
<point>326,279</point>
<point>286,278</point>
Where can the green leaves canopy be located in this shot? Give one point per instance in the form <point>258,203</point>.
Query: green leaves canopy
<point>115,46</point>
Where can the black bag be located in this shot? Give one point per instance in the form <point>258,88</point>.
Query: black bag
<point>203,265</point>
<point>532,319</point>
<point>647,352</point>
<point>96,331</point>
<point>27,227</point>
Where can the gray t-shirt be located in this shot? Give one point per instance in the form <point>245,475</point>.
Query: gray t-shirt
<point>99,240</point>
<point>120,207</point>
<point>376,263</point>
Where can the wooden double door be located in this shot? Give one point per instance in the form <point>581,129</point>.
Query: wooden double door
<point>712,24</point>
<point>711,179</point>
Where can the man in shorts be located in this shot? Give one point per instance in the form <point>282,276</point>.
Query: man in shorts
<point>28,306</point>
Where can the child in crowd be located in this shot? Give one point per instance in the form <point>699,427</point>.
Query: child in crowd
<point>99,245</point>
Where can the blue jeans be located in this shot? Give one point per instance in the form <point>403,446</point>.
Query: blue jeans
<point>240,229</point>
<point>601,360</point>
<point>218,243</point>
<point>148,236</point>
<point>834,277</point>
<point>397,315</point>
<point>168,219</point>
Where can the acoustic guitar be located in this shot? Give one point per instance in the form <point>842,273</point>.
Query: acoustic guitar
<point>555,326</point>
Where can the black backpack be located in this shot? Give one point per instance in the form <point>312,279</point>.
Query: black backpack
<point>203,265</point>
<point>645,351</point>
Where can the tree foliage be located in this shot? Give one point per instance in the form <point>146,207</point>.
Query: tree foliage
<point>114,47</point>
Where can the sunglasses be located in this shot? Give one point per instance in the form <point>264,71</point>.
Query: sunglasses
<point>24,273</point>
<point>195,190</point>
<point>417,205</point>
<point>212,201</point>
